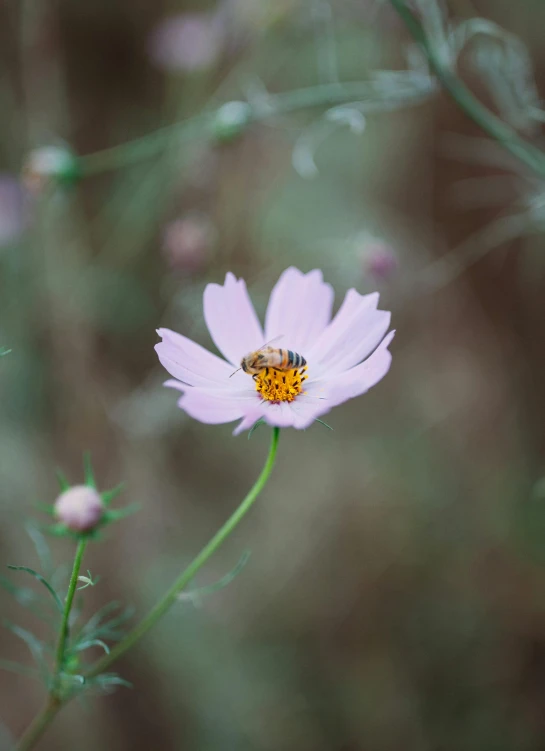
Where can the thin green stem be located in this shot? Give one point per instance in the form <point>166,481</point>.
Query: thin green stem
<point>171,596</point>
<point>200,126</point>
<point>38,725</point>
<point>526,152</point>
<point>63,634</point>
<point>138,149</point>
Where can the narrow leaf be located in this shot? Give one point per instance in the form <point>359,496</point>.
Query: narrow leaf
<point>107,680</point>
<point>324,423</point>
<point>254,427</point>
<point>97,628</point>
<point>223,582</point>
<point>81,646</point>
<point>109,495</point>
<point>43,581</point>
<point>60,530</point>
<point>42,548</point>
<point>29,598</point>
<point>15,667</point>
<point>73,678</point>
<point>25,596</point>
<point>63,482</point>
<point>88,470</point>
<point>114,515</point>
<point>79,679</point>
<point>35,646</point>
<point>95,619</point>
<point>108,630</point>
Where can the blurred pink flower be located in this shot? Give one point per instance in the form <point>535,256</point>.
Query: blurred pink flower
<point>299,312</point>
<point>379,259</point>
<point>187,243</point>
<point>80,508</point>
<point>186,42</point>
<point>12,209</point>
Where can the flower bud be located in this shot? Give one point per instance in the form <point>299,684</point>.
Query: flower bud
<point>187,243</point>
<point>49,164</point>
<point>80,508</point>
<point>231,120</point>
<point>378,259</point>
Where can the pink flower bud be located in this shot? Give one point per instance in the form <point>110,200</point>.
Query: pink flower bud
<point>80,508</point>
<point>187,243</point>
<point>379,259</point>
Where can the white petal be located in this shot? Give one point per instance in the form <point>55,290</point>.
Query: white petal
<point>356,381</point>
<point>362,342</point>
<point>214,407</point>
<point>298,414</point>
<point>231,319</point>
<point>354,332</point>
<point>299,309</point>
<point>189,362</point>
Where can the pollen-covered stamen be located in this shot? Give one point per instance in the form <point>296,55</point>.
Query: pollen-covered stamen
<point>280,385</point>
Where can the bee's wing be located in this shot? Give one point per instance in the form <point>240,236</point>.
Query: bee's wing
<point>272,341</point>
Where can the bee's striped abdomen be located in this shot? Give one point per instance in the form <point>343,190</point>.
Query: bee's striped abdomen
<point>291,360</point>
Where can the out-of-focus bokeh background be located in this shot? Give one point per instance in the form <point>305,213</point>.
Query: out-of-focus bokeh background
<point>395,595</point>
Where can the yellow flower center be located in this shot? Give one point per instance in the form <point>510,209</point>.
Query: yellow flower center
<point>280,385</point>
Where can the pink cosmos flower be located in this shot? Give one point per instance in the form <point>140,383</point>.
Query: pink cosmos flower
<point>344,356</point>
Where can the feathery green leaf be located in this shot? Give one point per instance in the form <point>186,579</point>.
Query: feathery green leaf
<point>43,581</point>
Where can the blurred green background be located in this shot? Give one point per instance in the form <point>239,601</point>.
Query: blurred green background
<point>395,595</point>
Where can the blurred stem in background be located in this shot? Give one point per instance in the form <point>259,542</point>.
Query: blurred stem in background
<point>231,118</point>
<point>235,116</point>
<point>56,699</point>
<point>526,152</point>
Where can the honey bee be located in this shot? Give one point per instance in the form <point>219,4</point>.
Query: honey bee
<point>270,357</point>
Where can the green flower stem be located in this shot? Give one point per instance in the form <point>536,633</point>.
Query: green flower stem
<point>55,701</point>
<point>200,126</point>
<point>526,152</point>
<point>38,725</point>
<point>63,635</point>
<point>171,596</point>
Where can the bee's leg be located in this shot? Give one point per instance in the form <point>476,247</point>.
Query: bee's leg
<point>254,376</point>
